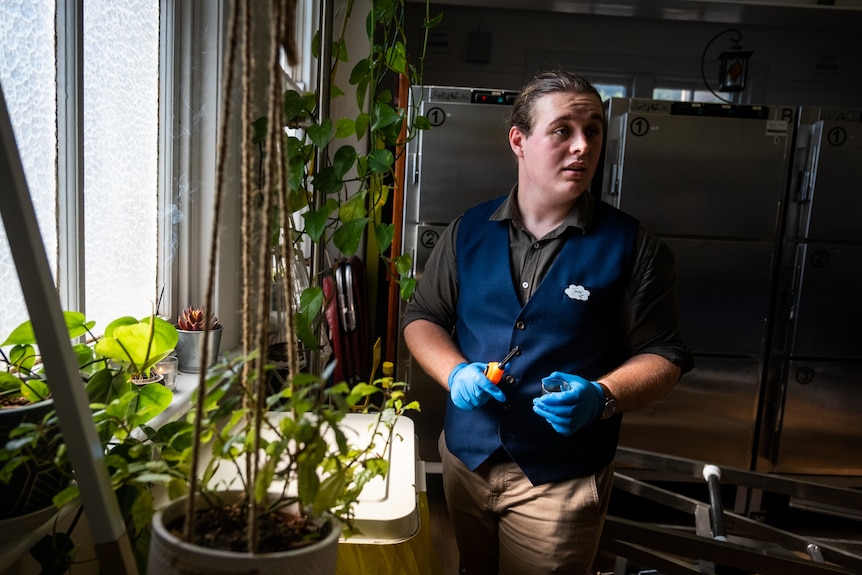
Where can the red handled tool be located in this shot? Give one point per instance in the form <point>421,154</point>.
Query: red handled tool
<point>495,369</point>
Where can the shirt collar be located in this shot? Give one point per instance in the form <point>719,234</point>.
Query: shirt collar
<point>580,216</point>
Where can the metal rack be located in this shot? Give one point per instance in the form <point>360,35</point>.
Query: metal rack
<point>721,541</point>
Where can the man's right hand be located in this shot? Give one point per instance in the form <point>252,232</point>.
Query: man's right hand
<point>469,388</point>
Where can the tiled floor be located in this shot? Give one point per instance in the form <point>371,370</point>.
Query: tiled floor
<point>441,532</point>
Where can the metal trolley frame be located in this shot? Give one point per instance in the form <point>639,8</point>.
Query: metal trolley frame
<point>722,541</point>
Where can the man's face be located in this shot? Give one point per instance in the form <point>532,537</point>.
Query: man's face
<point>556,162</point>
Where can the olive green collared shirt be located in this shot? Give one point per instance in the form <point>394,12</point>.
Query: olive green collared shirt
<point>649,312</point>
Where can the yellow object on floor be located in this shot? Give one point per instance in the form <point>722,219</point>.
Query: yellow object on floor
<point>415,556</point>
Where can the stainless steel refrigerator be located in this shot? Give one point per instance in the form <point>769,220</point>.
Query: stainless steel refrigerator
<point>760,206</point>
<point>462,160</point>
<point>813,423</point>
<point>711,181</point>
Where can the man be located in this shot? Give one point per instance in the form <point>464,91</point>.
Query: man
<point>586,296</point>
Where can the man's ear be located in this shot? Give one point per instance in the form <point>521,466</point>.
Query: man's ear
<point>516,141</point>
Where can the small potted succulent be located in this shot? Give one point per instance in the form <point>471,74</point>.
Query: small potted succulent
<point>194,326</point>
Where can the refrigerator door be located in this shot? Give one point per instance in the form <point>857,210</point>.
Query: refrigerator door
<point>827,314</point>
<point>465,157</point>
<point>707,416</point>
<point>724,294</point>
<point>699,170</point>
<point>820,391</point>
<point>711,181</point>
<point>820,430</point>
<point>828,195</point>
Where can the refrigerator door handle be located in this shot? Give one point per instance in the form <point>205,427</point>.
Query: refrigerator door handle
<point>415,171</point>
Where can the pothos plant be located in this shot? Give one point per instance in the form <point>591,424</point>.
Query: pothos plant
<point>341,189</point>
<point>296,437</point>
<point>111,367</point>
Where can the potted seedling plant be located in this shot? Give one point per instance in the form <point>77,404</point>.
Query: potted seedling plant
<point>28,468</point>
<point>121,404</point>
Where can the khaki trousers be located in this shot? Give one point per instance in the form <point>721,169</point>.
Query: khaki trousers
<point>503,524</point>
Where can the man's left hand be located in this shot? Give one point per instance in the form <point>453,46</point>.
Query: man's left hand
<point>569,410</point>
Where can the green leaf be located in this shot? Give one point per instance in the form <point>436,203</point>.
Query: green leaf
<point>344,127</point>
<point>152,400</point>
<point>363,120</point>
<point>295,106</point>
<point>361,71</point>
<point>421,123</point>
<point>353,208</point>
<point>408,286</point>
<point>35,390</point>
<point>335,92</point>
<point>321,134</point>
<point>9,382</point>
<point>384,234</point>
<point>137,344</point>
<point>327,181</point>
<point>433,21</point>
<point>380,161</point>
<point>362,92</point>
<point>315,220</point>
<point>344,159</point>
<point>295,153</point>
<point>311,300</point>
<point>302,324</point>
<point>383,97</point>
<point>76,325</point>
<point>396,58</point>
<point>361,391</point>
<point>330,490</point>
<point>385,115</point>
<point>347,237</point>
<point>83,353</point>
<point>403,264</point>
<point>307,481</point>
<point>23,356</point>
<point>100,388</point>
<point>339,50</point>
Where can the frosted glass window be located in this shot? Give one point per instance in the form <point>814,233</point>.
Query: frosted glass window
<point>27,74</point>
<point>121,116</point>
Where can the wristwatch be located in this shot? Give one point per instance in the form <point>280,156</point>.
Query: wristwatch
<point>610,402</point>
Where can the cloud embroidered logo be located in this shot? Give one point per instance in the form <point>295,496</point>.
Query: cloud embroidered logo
<point>578,292</point>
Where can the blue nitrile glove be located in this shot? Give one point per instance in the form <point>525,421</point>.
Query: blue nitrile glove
<point>570,409</point>
<point>469,388</point>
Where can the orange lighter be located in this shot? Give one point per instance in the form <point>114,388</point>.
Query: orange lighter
<point>495,369</point>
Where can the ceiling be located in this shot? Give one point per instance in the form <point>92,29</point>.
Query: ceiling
<point>837,14</point>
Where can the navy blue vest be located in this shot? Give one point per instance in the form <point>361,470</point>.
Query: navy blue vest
<point>570,324</point>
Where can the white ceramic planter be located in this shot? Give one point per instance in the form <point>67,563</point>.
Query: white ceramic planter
<point>171,556</point>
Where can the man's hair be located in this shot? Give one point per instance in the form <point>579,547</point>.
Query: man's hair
<point>542,84</point>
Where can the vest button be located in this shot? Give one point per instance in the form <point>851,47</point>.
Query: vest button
<point>520,325</point>
<point>510,379</point>
<point>537,245</point>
